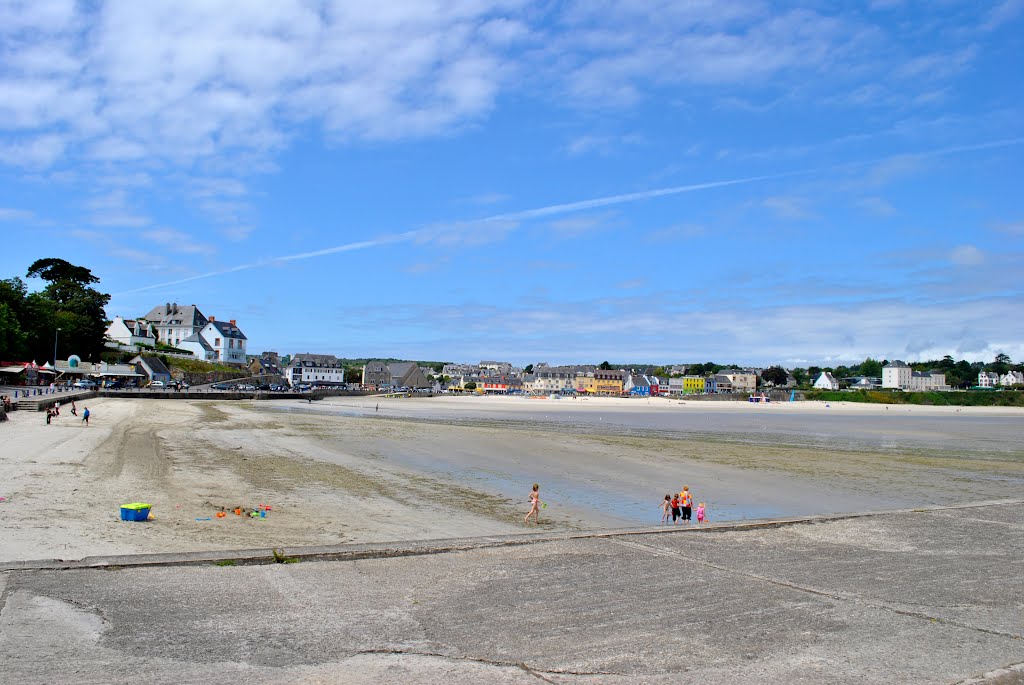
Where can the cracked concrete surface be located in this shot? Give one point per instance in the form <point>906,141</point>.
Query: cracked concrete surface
<point>913,597</point>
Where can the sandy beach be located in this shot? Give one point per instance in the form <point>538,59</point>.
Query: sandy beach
<point>342,470</point>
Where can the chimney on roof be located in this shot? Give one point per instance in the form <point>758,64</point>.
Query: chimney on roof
<point>212,319</point>
<point>233,323</point>
<point>167,308</point>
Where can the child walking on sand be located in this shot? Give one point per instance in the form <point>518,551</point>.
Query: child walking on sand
<point>700,513</point>
<point>534,505</point>
<point>675,510</point>
<point>666,507</point>
<point>85,417</point>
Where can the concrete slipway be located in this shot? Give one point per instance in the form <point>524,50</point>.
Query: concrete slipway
<point>925,596</point>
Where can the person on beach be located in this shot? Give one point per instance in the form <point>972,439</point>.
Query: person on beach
<point>85,417</point>
<point>534,505</point>
<point>49,416</point>
<point>686,503</point>
<point>377,408</point>
<point>74,409</point>
<point>700,513</point>
<point>675,509</point>
<point>56,408</point>
<point>666,508</point>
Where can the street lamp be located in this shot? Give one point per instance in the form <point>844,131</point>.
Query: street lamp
<point>55,334</point>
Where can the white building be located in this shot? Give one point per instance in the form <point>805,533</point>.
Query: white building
<point>826,382</point>
<point>896,375</point>
<point>198,346</point>
<point>128,332</point>
<point>173,323</point>
<point>899,376</point>
<point>1012,378</point>
<point>226,340</point>
<point>314,369</point>
<point>742,381</point>
<point>988,379</point>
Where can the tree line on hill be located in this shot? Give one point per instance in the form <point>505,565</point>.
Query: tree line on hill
<point>68,311</point>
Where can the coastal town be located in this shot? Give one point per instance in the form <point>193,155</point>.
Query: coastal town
<point>148,346</point>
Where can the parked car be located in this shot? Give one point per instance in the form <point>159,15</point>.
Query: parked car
<point>113,385</point>
<point>157,384</point>
<point>84,384</point>
<point>221,386</point>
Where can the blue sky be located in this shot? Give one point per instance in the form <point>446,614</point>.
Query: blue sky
<point>759,182</point>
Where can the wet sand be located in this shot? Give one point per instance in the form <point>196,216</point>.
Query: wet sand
<point>340,471</point>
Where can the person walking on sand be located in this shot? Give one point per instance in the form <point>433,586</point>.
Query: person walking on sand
<point>85,417</point>
<point>534,505</point>
<point>666,508</point>
<point>377,408</point>
<point>686,503</point>
<point>674,503</point>
<point>49,416</point>
<point>700,513</point>
<point>56,408</point>
<point>74,409</point>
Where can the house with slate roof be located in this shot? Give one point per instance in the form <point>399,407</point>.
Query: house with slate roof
<point>376,374</point>
<point>407,375</point>
<point>826,382</point>
<point>130,332</point>
<point>173,322</point>
<point>152,367</point>
<point>226,339</point>
<point>198,346</point>
<point>314,369</point>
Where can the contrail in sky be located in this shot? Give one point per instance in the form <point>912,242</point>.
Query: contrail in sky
<point>569,207</point>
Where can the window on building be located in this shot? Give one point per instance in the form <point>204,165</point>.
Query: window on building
<point>216,342</point>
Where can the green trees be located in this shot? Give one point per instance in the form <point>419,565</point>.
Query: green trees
<point>776,375</point>
<point>29,321</point>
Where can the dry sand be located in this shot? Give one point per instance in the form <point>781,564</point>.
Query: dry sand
<point>341,470</point>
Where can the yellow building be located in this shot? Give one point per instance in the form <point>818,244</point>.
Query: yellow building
<point>585,383</point>
<point>693,385</point>
<point>608,382</point>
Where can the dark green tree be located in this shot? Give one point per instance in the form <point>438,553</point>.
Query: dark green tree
<point>605,366</point>
<point>1001,364</point>
<point>871,367</point>
<point>67,302</point>
<point>13,308</point>
<point>470,386</point>
<point>776,375</point>
<point>528,369</point>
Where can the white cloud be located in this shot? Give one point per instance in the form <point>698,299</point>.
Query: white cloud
<point>967,255</point>
<point>9,214</point>
<point>788,207</point>
<point>877,206</point>
<point>176,241</point>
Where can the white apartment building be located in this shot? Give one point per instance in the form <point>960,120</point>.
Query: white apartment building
<point>314,369</point>
<point>226,340</point>
<point>899,376</point>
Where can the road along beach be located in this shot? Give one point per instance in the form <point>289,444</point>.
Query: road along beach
<point>340,471</point>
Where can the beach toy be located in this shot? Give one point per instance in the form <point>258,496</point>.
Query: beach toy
<point>136,511</point>
<point>221,514</point>
<point>238,511</point>
<point>263,514</point>
<point>205,519</point>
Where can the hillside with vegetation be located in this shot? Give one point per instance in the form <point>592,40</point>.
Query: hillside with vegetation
<point>969,398</point>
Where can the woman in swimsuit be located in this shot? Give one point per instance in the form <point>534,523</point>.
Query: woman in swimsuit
<point>534,504</point>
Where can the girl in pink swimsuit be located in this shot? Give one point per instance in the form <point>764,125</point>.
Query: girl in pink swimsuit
<point>700,513</point>
<point>534,505</point>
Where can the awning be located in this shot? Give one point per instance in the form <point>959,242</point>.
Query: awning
<point>117,375</point>
<point>43,371</point>
<point>12,369</point>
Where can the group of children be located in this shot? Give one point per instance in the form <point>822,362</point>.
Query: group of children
<point>681,507</point>
<point>54,411</point>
